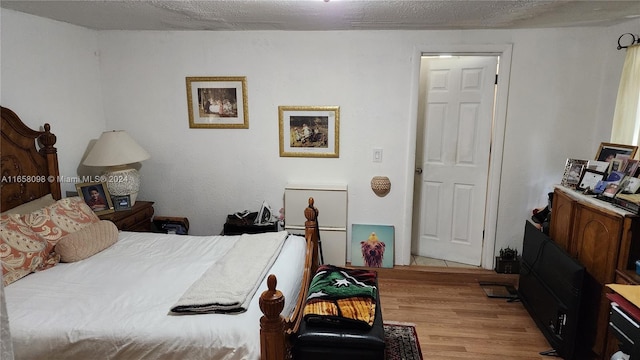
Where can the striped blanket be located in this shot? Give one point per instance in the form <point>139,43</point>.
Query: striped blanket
<point>342,297</point>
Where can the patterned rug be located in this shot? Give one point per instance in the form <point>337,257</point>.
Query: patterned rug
<point>401,342</point>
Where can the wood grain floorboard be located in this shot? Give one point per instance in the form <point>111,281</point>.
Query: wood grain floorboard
<point>455,319</point>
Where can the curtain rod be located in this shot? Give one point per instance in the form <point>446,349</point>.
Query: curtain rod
<point>635,39</point>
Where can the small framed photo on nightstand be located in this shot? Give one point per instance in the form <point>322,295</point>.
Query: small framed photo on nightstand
<point>122,202</point>
<point>96,195</point>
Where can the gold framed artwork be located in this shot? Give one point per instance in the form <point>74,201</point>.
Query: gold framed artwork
<point>309,131</point>
<point>218,102</point>
<point>608,151</point>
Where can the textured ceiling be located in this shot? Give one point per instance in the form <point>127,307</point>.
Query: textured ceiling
<point>238,15</point>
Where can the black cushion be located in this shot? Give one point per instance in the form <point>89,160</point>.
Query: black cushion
<point>340,343</point>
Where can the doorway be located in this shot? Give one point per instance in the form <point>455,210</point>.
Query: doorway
<point>459,138</point>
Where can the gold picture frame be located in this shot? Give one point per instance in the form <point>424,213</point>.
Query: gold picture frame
<point>217,102</point>
<point>606,151</point>
<point>309,131</point>
<point>96,196</point>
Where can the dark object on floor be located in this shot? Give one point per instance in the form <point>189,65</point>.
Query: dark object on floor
<point>508,262</point>
<point>550,287</point>
<point>499,290</point>
<point>401,342</point>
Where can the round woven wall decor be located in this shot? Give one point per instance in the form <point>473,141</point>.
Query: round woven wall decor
<point>381,185</point>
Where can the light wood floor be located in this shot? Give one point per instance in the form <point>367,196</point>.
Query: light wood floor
<point>453,316</point>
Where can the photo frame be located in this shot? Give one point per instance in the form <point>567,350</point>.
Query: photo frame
<point>632,168</point>
<point>96,195</point>
<point>633,185</point>
<point>309,131</point>
<point>372,245</point>
<point>601,166</point>
<point>590,179</point>
<point>121,202</point>
<point>608,151</point>
<point>572,172</point>
<point>617,165</point>
<point>218,102</point>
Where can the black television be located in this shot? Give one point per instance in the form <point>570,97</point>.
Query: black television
<point>550,288</point>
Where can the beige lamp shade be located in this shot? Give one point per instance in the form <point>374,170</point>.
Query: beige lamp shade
<point>115,148</point>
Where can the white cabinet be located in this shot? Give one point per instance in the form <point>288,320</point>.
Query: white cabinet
<point>331,202</point>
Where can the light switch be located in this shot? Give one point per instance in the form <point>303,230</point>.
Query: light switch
<point>377,155</point>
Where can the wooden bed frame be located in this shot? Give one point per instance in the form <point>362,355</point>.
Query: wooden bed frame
<point>30,171</point>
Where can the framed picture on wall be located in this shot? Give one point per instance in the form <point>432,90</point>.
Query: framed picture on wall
<point>609,151</point>
<point>309,131</point>
<point>218,102</point>
<point>96,195</point>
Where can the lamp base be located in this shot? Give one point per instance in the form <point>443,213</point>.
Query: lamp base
<point>121,182</point>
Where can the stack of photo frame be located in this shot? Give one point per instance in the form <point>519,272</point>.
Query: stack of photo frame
<point>614,171</point>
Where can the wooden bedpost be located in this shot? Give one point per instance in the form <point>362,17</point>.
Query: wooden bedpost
<point>276,331</point>
<point>311,231</point>
<point>47,140</point>
<point>272,337</point>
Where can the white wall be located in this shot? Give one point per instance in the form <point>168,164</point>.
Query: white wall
<point>560,105</point>
<point>50,73</point>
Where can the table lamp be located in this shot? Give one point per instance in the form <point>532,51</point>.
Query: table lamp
<point>117,151</point>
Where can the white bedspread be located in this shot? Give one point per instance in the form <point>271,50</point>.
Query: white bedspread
<point>115,304</point>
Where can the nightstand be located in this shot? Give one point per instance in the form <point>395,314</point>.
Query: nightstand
<point>138,218</point>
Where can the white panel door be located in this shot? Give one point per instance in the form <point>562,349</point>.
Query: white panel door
<point>458,115</point>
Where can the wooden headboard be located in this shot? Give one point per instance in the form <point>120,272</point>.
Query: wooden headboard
<point>29,162</point>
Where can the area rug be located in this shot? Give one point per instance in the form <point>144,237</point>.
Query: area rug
<point>401,342</point>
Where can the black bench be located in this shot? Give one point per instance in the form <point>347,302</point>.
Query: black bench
<point>316,342</point>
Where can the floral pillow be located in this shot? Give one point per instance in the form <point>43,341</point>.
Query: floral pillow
<point>21,250</point>
<point>66,216</point>
<point>27,241</point>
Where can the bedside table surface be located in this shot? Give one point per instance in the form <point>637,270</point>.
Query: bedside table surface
<point>138,218</point>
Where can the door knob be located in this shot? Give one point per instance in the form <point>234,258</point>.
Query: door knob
<point>418,170</point>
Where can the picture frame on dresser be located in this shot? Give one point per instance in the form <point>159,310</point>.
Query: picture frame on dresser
<point>309,131</point>
<point>218,102</point>
<point>121,202</point>
<point>608,151</point>
<point>96,195</point>
<point>590,179</point>
<point>572,172</point>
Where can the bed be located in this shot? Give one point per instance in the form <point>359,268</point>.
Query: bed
<point>120,303</point>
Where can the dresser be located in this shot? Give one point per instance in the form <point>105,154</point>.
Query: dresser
<point>331,202</point>
<point>606,240</point>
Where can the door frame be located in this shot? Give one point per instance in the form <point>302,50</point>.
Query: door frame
<point>504,51</point>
